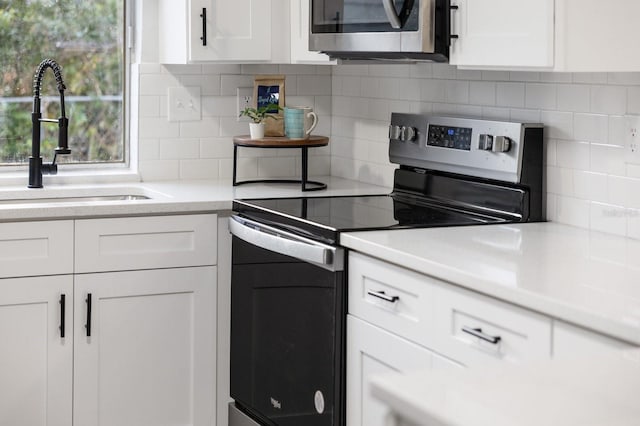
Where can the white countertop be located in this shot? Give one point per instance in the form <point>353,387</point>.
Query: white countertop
<point>597,390</point>
<point>166,197</point>
<point>584,277</point>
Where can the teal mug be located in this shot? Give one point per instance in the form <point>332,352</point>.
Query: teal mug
<point>299,122</point>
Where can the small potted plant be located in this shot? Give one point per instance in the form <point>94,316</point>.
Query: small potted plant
<point>258,117</point>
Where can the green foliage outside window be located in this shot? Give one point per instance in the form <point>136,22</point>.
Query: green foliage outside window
<point>86,39</point>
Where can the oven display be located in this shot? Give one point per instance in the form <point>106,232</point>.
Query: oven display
<point>449,137</point>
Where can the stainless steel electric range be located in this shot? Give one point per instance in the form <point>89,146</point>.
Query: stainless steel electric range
<point>288,281</point>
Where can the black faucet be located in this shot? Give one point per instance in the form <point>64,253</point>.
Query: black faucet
<point>36,167</point>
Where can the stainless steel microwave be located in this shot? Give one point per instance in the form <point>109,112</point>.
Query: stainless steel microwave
<point>381,29</point>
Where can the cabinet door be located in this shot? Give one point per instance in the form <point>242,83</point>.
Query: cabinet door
<point>35,361</point>
<point>503,33</point>
<point>372,351</point>
<point>300,36</point>
<point>150,356</point>
<point>238,30</point>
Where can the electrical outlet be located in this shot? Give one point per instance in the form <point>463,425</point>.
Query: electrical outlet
<point>632,143</point>
<point>185,104</point>
<point>244,99</point>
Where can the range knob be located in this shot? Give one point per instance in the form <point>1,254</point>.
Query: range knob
<point>408,134</point>
<point>485,143</point>
<point>501,144</point>
<point>394,132</point>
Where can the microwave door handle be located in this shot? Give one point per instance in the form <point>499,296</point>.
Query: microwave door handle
<point>398,21</point>
<point>392,15</point>
<point>286,243</point>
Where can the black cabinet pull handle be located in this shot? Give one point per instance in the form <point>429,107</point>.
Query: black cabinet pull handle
<point>453,8</point>
<point>203,15</point>
<point>88,324</point>
<point>477,332</point>
<point>62,314</point>
<point>382,295</point>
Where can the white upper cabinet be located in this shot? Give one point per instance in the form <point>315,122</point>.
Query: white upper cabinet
<point>597,36</point>
<point>300,53</point>
<point>226,31</point>
<point>503,33</point>
<point>551,35</point>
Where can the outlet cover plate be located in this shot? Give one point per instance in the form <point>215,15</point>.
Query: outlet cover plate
<point>244,99</point>
<point>632,139</point>
<point>185,104</point>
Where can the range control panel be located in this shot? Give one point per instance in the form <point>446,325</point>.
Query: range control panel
<point>449,137</point>
<point>482,148</point>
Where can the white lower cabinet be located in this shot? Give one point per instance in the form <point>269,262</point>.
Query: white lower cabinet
<point>35,360</point>
<point>145,350</point>
<point>372,351</point>
<point>146,354</point>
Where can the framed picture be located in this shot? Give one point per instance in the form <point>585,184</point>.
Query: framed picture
<point>269,90</point>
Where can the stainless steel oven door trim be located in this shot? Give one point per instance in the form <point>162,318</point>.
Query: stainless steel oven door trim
<point>422,41</point>
<point>283,242</point>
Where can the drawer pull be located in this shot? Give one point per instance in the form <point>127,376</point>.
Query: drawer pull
<point>477,332</point>
<point>382,295</point>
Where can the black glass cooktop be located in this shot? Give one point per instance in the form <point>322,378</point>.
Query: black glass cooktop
<point>324,218</point>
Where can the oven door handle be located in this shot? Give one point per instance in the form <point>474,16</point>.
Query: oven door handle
<point>283,242</point>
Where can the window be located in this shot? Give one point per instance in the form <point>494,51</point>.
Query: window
<point>87,39</point>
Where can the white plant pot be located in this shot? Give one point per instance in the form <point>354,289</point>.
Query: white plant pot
<point>256,130</point>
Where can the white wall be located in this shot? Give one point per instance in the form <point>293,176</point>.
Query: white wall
<point>588,182</point>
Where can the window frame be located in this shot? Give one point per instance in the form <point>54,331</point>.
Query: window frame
<point>10,171</point>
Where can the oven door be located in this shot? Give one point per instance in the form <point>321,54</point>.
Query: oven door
<point>287,333</point>
<point>372,25</point>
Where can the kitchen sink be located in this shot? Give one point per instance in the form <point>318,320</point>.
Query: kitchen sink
<point>77,199</point>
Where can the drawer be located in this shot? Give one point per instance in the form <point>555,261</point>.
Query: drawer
<point>393,298</point>
<point>36,248</point>
<point>478,330</point>
<point>120,244</point>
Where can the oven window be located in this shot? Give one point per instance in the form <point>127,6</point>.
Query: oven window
<point>356,16</point>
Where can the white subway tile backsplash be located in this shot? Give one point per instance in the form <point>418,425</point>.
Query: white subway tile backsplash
<point>179,149</point>
<point>457,92</point>
<point>633,100</point>
<point>482,93</point>
<point>591,127</point>
<point>216,148</point>
<point>608,218</point>
<point>573,211</point>
<point>158,127</point>
<point>314,85</point>
<point>607,159</point>
<point>608,99</point>
<point>209,84</point>
<point>590,186</point>
<point>573,155</point>
<point>205,128</point>
<point>541,96</point>
<point>149,106</point>
<point>432,91</point>
<point>199,169</point>
<point>574,97</point>
<point>557,125</point>
<point>510,95</point>
<point>589,183</point>
<point>219,106</point>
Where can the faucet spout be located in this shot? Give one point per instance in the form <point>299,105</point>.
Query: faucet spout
<point>36,167</point>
